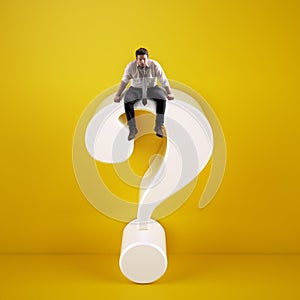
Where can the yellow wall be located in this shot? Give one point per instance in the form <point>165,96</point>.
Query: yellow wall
<point>242,56</point>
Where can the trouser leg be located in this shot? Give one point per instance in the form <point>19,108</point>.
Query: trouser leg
<point>160,112</point>
<point>129,111</point>
<point>160,106</point>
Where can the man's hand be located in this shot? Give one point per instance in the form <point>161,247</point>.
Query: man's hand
<point>117,99</point>
<point>170,97</point>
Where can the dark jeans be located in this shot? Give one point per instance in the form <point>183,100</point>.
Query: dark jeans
<point>129,108</point>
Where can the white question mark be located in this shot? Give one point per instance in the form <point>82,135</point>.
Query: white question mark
<point>189,147</point>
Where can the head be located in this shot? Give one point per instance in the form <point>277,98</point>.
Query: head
<point>141,57</point>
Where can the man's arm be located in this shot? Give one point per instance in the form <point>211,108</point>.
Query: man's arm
<point>121,88</point>
<point>163,80</point>
<point>170,95</point>
<point>125,79</point>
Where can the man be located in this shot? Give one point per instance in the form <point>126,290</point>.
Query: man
<point>144,73</point>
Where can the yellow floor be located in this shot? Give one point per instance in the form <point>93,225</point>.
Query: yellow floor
<point>187,277</point>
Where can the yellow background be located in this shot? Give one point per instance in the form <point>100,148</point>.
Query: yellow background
<point>241,56</point>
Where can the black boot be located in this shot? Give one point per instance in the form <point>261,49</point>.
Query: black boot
<point>158,125</point>
<point>132,129</point>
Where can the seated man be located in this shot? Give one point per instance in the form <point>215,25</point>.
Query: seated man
<point>144,73</point>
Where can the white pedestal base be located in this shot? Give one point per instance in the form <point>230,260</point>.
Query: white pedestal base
<point>143,254</point>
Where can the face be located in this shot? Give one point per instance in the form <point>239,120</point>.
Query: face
<point>142,60</point>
